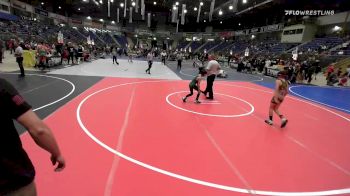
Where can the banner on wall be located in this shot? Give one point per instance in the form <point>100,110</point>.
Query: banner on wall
<point>173,15</point>
<point>23,6</point>
<point>125,9</point>
<point>112,28</point>
<point>212,6</point>
<point>75,21</point>
<point>183,14</point>
<point>58,17</point>
<point>137,6</point>
<point>149,19</point>
<point>255,30</point>
<point>234,5</point>
<point>275,27</point>
<point>96,25</point>
<point>295,54</point>
<point>143,32</point>
<point>199,13</point>
<point>18,4</point>
<point>87,23</point>
<point>130,15</point>
<point>143,9</point>
<point>41,12</point>
<point>237,33</point>
<point>225,34</point>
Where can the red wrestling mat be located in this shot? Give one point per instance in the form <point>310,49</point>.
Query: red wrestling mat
<point>130,137</point>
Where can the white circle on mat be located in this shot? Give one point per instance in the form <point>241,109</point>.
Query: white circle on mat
<point>54,77</point>
<point>197,181</point>
<point>213,115</point>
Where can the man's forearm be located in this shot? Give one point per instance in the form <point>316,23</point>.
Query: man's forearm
<point>44,138</point>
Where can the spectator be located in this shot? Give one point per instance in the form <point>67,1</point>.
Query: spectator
<point>42,52</point>
<point>19,58</point>
<point>179,58</point>
<point>332,78</point>
<point>330,69</point>
<point>343,79</point>
<point>70,52</point>
<point>16,169</point>
<point>310,72</point>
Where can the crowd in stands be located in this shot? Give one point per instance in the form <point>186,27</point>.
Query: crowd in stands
<point>264,55</point>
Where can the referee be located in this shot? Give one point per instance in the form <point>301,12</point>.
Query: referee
<point>213,68</point>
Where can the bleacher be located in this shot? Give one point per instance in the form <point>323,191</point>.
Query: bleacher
<point>317,43</point>
<point>222,46</point>
<point>239,47</point>
<point>95,38</point>
<point>121,40</point>
<point>195,45</point>
<point>209,45</point>
<point>182,45</point>
<point>281,47</point>
<point>106,38</point>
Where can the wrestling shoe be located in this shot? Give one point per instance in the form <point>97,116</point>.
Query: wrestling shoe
<point>197,101</point>
<point>184,99</point>
<point>269,122</point>
<point>284,122</point>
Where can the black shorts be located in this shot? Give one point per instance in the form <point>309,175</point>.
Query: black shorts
<point>194,87</point>
<point>274,102</point>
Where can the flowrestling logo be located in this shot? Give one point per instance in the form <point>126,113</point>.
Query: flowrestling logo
<point>309,12</point>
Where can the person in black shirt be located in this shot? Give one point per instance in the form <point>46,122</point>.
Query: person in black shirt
<point>71,51</point>
<point>16,170</point>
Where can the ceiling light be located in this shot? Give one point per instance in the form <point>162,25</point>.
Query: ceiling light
<point>204,21</point>
<point>201,4</point>
<point>89,18</point>
<point>78,9</point>
<point>185,11</point>
<point>174,7</point>
<point>133,4</point>
<point>154,3</point>
<point>195,8</point>
<point>230,7</point>
<point>244,1</point>
<point>113,22</point>
<point>220,22</point>
<point>101,20</point>
<point>177,3</point>
<point>42,3</point>
<point>121,4</point>
<point>239,24</point>
<point>101,1</point>
<point>59,7</point>
<point>220,12</point>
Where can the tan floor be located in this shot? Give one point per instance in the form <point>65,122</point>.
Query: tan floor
<point>9,64</point>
